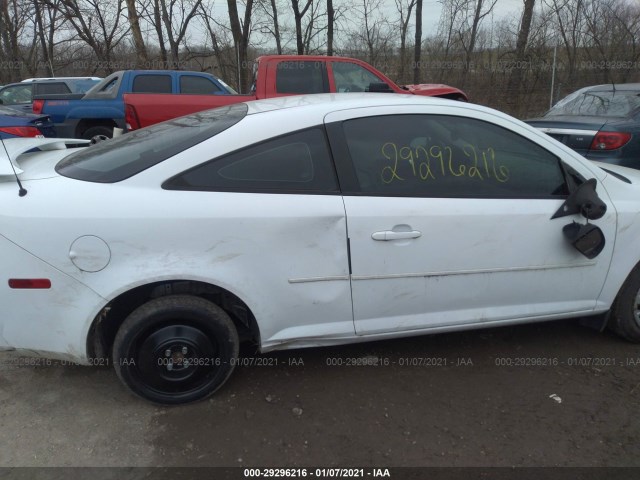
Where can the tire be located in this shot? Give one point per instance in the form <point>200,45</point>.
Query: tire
<point>175,349</point>
<point>625,314</point>
<point>98,133</point>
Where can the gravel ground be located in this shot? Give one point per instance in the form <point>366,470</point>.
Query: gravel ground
<point>459,399</point>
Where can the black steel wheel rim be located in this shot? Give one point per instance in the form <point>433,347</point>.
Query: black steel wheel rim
<point>177,359</point>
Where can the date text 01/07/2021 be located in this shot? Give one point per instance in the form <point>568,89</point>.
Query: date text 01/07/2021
<point>316,473</point>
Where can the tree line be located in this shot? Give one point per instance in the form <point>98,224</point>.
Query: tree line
<point>519,63</point>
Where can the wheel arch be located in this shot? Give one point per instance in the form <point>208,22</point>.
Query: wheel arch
<point>86,123</point>
<point>106,323</point>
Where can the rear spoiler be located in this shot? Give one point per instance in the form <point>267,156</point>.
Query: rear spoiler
<point>17,146</point>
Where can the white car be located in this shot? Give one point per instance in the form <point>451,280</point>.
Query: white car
<point>305,221</point>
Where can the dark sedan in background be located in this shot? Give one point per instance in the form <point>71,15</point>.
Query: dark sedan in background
<point>16,124</point>
<point>601,122</point>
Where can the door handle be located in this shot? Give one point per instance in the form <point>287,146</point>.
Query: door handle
<point>391,235</point>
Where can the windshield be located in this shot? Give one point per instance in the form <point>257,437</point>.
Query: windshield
<point>598,103</point>
<point>120,158</point>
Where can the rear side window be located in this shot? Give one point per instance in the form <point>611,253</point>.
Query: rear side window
<point>295,163</point>
<point>152,84</point>
<point>301,77</point>
<point>120,158</point>
<point>191,84</point>
<point>51,88</point>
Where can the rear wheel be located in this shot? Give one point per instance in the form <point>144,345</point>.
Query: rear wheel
<point>625,315</point>
<point>98,133</point>
<point>175,349</point>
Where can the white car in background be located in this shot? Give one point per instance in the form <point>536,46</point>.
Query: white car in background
<point>305,221</point>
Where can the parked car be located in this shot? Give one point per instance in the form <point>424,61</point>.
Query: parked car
<point>601,122</point>
<point>15,124</point>
<point>20,95</point>
<point>301,222</point>
<point>97,113</point>
<point>281,75</point>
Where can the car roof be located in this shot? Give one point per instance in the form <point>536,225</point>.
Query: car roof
<point>325,103</point>
<point>609,87</point>
<point>57,79</point>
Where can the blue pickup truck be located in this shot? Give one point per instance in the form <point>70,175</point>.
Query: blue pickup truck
<point>101,109</point>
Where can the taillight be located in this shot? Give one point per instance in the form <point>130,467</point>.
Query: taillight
<point>131,118</point>
<point>37,106</point>
<point>609,140</point>
<point>22,131</point>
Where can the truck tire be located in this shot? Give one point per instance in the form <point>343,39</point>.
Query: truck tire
<point>98,133</point>
<point>175,349</point>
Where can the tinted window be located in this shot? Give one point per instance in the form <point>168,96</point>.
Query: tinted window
<point>301,77</point>
<point>119,158</point>
<point>197,85</point>
<point>152,84</point>
<point>298,162</point>
<point>51,88</point>
<point>350,77</point>
<point>446,156</point>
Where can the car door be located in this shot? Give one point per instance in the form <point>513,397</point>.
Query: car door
<point>449,222</point>
<point>278,229</point>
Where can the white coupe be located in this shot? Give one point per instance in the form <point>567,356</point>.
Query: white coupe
<point>304,221</point>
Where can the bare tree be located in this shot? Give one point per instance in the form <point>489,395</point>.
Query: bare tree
<point>515,80</point>
<point>134,23</point>
<point>404,8</point>
<point>176,16</point>
<point>241,33</point>
<point>267,21</point>
<point>417,52</point>
<point>97,23</point>
<point>330,24</point>
<point>569,16</point>
<point>373,33</point>
<point>298,14</point>
<point>13,21</point>
<point>480,9</point>
<point>221,44</point>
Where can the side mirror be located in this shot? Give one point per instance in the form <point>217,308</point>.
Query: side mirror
<point>585,201</point>
<point>379,87</point>
<point>587,239</point>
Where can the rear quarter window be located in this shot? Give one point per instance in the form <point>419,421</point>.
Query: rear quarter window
<point>120,158</point>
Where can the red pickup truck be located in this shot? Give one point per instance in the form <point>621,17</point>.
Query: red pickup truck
<point>276,76</point>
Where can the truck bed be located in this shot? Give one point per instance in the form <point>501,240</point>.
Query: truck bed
<point>143,109</point>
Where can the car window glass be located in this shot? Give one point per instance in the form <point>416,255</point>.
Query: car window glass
<point>298,162</point>
<point>350,77</point>
<point>120,158</point>
<point>599,103</point>
<point>192,84</point>
<point>16,94</point>
<point>447,156</point>
<point>301,77</point>
<point>152,84</point>
<point>81,85</point>
<point>51,88</point>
